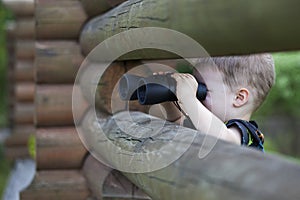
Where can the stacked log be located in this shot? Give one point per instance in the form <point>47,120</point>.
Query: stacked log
<point>59,152</point>
<point>21,82</point>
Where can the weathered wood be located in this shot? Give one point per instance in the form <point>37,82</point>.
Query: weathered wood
<point>23,129</point>
<point>107,96</point>
<point>59,148</point>
<point>24,71</point>
<point>24,91</point>
<point>18,152</point>
<point>106,183</point>
<point>20,8</point>
<point>25,28</point>
<point>57,61</point>
<point>10,65</point>
<point>57,184</point>
<point>53,105</point>
<point>17,140</point>
<point>20,135</point>
<point>96,7</point>
<point>23,113</point>
<point>234,27</point>
<point>59,19</point>
<point>24,49</point>
<point>226,172</point>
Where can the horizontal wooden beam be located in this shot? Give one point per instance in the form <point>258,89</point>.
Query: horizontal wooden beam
<point>57,184</point>
<point>97,7</point>
<point>53,105</point>
<point>227,172</point>
<point>57,62</point>
<point>58,19</point>
<point>20,8</point>
<point>59,148</point>
<point>234,27</point>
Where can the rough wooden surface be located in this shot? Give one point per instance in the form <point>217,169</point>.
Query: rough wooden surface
<point>107,96</point>
<point>24,71</point>
<point>59,148</point>
<point>20,135</point>
<point>59,19</point>
<point>53,105</point>
<point>25,28</point>
<point>96,7</point>
<point>234,27</point>
<point>57,61</point>
<point>23,113</point>
<point>57,184</point>
<point>20,8</point>
<point>106,183</point>
<point>16,152</point>
<point>24,91</point>
<point>24,49</point>
<point>227,172</point>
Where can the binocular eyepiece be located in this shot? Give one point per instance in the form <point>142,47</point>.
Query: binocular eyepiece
<point>153,89</point>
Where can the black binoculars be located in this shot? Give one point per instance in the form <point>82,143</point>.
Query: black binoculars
<point>153,89</point>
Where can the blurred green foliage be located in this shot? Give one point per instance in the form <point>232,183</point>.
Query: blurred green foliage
<point>284,98</point>
<point>4,171</point>
<point>4,16</point>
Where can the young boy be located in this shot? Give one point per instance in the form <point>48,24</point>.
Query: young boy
<point>236,87</point>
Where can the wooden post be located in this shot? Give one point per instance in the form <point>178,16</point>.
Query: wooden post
<point>57,184</point>
<point>53,105</point>
<point>96,7</point>
<point>234,27</point>
<point>59,148</point>
<point>58,19</point>
<point>227,172</point>
<point>57,61</point>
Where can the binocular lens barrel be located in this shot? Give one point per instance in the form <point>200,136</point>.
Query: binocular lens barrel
<point>156,89</point>
<point>128,86</point>
<point>153,89</point>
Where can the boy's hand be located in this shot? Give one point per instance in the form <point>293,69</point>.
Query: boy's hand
<point>186,86</point>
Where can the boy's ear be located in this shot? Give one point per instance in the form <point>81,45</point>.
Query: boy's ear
<point>241,97</point>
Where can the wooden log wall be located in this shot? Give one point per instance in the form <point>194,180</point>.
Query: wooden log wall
<point>21,83</point>
<point>59,152</point>
<point>66,29</point>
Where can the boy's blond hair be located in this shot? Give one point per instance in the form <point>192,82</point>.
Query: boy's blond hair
<point>255,71</point>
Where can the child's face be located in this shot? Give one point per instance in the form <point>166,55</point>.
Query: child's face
<point>219,96</point>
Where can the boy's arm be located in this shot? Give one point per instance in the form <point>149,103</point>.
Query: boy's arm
<point>203,120</point>
<point>172,112</point>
